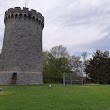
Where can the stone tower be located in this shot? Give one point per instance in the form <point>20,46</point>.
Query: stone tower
<point>21,61</point>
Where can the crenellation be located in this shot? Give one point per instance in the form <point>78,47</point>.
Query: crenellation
<point>33,12</point>
<point>10,10</point>
<point>39,14</point>
<point>17,9</point>
<point>25,9</point>
<point>24,13</point>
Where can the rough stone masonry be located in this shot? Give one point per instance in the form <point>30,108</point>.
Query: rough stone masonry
<point>20,60</point>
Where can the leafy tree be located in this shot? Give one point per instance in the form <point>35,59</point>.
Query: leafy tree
<point>55,64</point>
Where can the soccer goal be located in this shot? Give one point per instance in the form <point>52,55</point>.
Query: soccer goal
<point>72,78</point>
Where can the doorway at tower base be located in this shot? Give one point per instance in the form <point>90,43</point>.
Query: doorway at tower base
<point>21,78</point>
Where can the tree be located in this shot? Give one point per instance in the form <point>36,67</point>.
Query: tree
<point>74,62</point>
<point>84,56</point>
<point>55,64</point>
<point>48,66</point>
<point>76,67</point>
<point>98,68</point>
<point>84,63</point>
<point>59,52</point>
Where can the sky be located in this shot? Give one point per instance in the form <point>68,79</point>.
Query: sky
<point>78,25</point>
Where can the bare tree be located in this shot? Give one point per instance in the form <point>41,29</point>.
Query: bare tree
<point>59,52</point>
<point>75,64</point>
<point>85,61</point>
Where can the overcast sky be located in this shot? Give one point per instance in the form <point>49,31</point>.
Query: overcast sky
<point>80,25</point>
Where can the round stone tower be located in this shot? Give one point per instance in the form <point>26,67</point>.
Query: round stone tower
<point>21,57</point>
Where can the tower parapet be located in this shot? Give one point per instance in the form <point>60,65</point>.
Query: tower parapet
<point>23,14</point>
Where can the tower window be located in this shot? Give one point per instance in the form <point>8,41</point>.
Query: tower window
<point>20,16</point>
<point>12,16</point>
<point>16,16</point>
<point>25,16</point>
<point>9,17</point>
<point>29,17</point>
<point>33,18</point>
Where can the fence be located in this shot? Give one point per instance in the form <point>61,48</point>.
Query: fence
<point>72,78</point>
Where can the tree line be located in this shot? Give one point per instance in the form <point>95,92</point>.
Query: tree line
<point>57,61</point>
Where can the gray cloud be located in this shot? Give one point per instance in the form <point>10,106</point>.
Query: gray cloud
<point>102,44</point>
<point>81,15</point>
<point>79,25</point>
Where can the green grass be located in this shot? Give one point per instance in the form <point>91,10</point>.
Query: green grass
<point>40,97</point>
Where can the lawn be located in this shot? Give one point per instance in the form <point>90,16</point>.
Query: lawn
<point>40,97</point>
